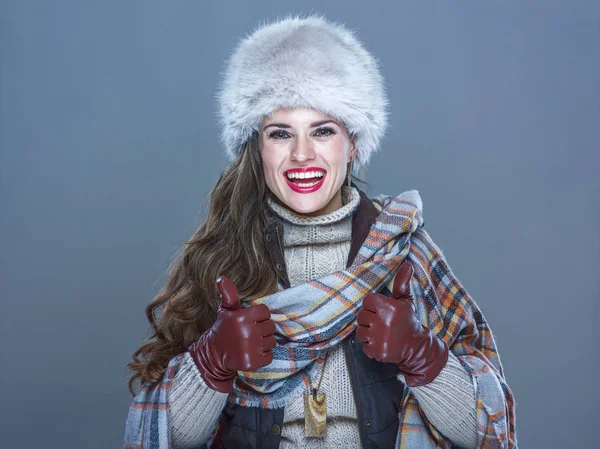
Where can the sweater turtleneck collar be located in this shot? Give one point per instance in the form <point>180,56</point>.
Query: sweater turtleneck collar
<point>332,217</point>
<point>333,227</point>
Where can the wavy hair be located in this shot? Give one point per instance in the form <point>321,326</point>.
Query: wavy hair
<point>229,242</point>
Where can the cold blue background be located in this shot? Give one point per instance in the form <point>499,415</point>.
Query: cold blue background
<point>109,149</point>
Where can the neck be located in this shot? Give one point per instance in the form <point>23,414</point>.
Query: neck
<point>338,201</point>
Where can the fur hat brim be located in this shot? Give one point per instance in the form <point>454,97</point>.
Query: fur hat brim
<point>303,62</point>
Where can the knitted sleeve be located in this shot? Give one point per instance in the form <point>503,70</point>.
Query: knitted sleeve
<point>449,403</point>
<point>194,408</point>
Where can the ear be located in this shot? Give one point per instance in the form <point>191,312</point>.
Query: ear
<point>353,150</point>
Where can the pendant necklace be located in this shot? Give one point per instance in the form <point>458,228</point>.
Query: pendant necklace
<point>315,409</point>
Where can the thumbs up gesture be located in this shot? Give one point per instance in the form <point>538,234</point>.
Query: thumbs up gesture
<point>392,333</point>
<point>241,339</point>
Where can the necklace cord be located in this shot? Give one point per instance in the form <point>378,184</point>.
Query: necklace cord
<point>314,390</point>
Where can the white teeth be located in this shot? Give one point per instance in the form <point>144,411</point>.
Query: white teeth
<point>307,184</point>
<point>301,175</point>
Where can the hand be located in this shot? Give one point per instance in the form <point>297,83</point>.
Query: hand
<point>392,333</point>
<point>239,340</point>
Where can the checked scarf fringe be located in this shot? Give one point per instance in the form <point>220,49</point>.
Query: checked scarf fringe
<point>302,334</point>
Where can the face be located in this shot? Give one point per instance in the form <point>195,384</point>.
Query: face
<point>305,155</point>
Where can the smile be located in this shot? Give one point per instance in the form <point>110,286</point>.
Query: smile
<point>305,180</point>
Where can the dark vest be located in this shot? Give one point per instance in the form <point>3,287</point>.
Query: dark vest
<point>377,391</point>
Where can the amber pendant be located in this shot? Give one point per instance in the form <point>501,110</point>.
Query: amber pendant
<point>315,414</point>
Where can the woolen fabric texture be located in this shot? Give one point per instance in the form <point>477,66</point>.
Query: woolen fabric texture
<point>194,407</point>
<point>304,334</point>
<point>303,62</point>
<point>441,302</point>
<point>448,401</point>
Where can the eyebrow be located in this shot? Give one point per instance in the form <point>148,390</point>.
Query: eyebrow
<point>312,125</point>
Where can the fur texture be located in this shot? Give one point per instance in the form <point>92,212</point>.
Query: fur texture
<point>303,62</point>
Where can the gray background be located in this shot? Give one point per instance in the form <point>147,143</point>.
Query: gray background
<point>109,149</point>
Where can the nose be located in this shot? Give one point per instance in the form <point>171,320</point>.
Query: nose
<point>302,150</point>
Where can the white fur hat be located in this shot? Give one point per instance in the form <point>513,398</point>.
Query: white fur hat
<point>303,62</point>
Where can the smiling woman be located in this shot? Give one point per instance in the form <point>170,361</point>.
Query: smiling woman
<point>303,314</point>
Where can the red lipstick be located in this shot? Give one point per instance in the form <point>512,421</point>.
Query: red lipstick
<point>309,189</point>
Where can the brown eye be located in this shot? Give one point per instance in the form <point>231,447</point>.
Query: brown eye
<point>278,135</point>
<point>324,132</point>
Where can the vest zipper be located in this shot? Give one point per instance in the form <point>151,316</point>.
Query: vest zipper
<point>352,377</point>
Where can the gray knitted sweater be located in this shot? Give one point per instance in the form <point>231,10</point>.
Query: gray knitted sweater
<point>313,247</point>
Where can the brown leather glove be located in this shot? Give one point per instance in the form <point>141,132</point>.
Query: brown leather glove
<point>392,333</point>
<point>239,340</point>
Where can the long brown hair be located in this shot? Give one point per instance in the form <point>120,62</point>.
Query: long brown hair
<point>229,242</point>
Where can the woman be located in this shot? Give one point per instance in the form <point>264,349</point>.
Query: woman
<point>302,313</point>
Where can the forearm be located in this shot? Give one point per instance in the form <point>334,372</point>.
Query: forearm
<point>449,403</point>
<point>194,408</point>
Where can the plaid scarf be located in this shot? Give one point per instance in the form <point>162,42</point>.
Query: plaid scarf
<point>442,304</point>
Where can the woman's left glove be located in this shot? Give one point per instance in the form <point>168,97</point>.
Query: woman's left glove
<point>392,333</point>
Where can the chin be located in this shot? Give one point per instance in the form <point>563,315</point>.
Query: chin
<point>306,210</point>
<point>307,206</point>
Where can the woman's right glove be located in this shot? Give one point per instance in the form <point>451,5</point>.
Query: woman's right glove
<point>241,339</point>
